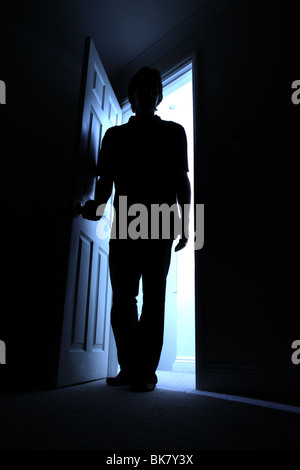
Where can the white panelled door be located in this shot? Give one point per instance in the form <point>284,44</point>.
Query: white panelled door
<point>86,324</point>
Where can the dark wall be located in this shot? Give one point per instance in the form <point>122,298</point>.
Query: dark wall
<point>246,175</point>
<point>37,147</point>
<point>246,165</point>
<point>249,290</point>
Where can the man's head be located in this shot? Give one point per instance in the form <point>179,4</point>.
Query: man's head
<point>145,91</point>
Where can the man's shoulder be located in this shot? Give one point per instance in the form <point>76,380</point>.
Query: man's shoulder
<point>114,133</point>
<point>172,126</point>
<point>115,130</point>
<point>173,130</point>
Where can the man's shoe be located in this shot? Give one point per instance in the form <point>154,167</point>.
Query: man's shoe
<point>122,379</point>
<point>142,386</point>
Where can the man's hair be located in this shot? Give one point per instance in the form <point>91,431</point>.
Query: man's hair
<point>140,75</point>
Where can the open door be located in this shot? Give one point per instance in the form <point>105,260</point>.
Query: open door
<point>86,328</point>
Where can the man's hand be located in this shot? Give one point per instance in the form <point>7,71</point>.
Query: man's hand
<point>88,211</point>
<point>181,244</point>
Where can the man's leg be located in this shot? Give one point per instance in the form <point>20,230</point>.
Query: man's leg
<point>150,330</point>
<point>125,274</point>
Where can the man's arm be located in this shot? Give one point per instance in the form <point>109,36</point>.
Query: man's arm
<point>184,201</point>
<point>103,192</point>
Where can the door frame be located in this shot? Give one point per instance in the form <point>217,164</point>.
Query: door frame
<point>198,199</point>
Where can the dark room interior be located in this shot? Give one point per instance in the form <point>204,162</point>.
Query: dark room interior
<point>245,61</point>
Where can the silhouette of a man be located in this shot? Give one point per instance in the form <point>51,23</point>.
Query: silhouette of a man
<point>146,159</point>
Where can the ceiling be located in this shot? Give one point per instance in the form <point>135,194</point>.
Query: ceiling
<point>121,29</point>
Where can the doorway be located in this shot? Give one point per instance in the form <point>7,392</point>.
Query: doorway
<point>176,370</point>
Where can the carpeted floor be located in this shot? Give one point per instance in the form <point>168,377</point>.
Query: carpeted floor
<point>179,381</point>
<point>94,416</point>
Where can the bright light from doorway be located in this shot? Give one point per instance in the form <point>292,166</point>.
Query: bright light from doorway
<point>177,106</point>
